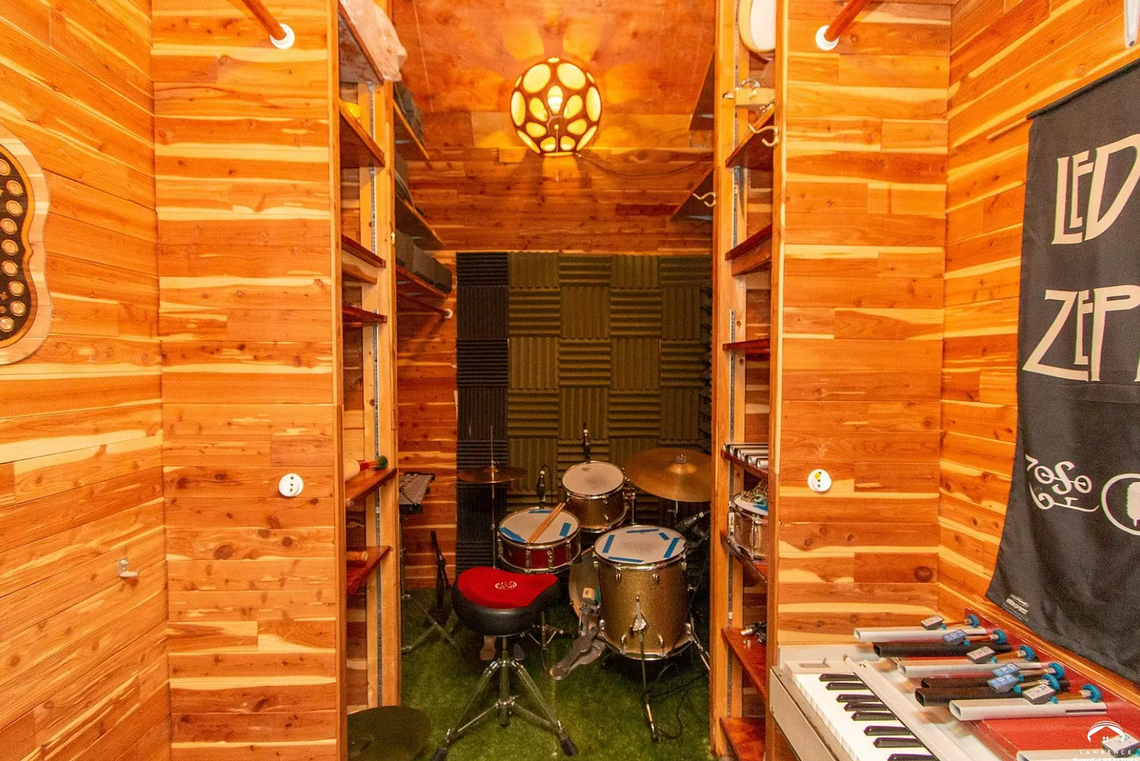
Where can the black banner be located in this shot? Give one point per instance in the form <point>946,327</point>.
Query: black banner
<point>1069,561</point>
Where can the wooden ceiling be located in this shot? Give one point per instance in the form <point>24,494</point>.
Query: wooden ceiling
<point>482,190</point>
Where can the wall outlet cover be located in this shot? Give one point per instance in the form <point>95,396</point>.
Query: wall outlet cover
<point>819,480</point>
<point>290,485</point>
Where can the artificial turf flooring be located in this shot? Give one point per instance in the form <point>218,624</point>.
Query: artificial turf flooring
<point>599,704</point>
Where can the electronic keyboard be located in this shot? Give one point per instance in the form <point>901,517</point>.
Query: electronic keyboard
<point>842,703</point>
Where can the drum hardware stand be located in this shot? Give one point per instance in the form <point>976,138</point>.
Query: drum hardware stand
<point>586,442</point>
<point>587,648</point>
<point>433,625</point>
<point>638,628</point>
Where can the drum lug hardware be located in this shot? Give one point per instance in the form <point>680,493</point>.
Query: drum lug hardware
<point>617,576</point>
<point>639,622</point>
<point>661,642</point>
<point>527,556</point>
<point>550,560</point>
<point>684,566</point>
<point>656,578</point>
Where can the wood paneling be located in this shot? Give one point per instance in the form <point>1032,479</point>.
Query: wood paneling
<point>860,283</point>
<point>483,190</point>
<point>1007,60</point>
<point>428,429</point>
<point>250,351</point>
<point>83,662</point>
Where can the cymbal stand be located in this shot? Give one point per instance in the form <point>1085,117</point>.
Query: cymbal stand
<point>433,625</point>
<point>494,506</point>
<point>639,626</point>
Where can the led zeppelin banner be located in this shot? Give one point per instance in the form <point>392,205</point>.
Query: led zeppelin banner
<point>1069,561</point>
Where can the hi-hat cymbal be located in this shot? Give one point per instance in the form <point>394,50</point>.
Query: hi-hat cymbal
<point>492,474</point>
<point>684,475</point>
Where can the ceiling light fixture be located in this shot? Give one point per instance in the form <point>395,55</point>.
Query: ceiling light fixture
<point>555,107</point>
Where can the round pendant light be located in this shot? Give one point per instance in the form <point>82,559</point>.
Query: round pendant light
<point>555,107</point>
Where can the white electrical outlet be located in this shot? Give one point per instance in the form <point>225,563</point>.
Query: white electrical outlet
<point>819,480</point>
<point>290,485</point>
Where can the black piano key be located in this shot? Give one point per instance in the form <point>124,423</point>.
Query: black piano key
<point>911,757</point>
<point>864,705</point>
<point>872,716</point>
<point>898,742</point>
<point>847,686</point>
<point>879,730</point>
<point>855,697</point>
<point>837,677</point>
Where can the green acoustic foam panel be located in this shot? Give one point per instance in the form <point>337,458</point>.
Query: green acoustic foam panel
<point>533,413</point>
<point>535,312</point>
<point>533,270</point>
<point>586,311</point>
<point>635,312</point>
<point>533,362</point>
<point>636,413</point>
<point>683,363</point>
<point>684,270</point>
<point>585,270</point>
<point>584,363</point>
<point>683,420</point>
<point>680,312</point>
<point>578,405</point>
<point>636,363</point>
<point>633,271</point>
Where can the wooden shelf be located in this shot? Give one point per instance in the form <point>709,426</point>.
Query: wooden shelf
<point>411,284</point>
<point>407,141</point>
<point>746,737</point>
<point>756,570</point>
<point>355,317</point>
<point>753,254</point>
<point>754,659</point>
<point>360,251</point>
<point>366,482</point>
<point>356,573</point>
<point>759,472</point>
<point>357,148</point>
<point>410,222</point>
<point>356,65</point>
<point>756,347</point>
<point>692,209</point>
<point>752,153</point>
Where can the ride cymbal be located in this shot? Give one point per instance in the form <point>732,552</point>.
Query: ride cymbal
<point>684,475</point>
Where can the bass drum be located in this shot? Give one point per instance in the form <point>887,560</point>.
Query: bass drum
<point>645,596</point>
<point>583,581</point>
<point>594,494</point>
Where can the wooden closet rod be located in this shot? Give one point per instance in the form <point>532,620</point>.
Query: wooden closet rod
<point>828,36</point>
<point>281,35</point>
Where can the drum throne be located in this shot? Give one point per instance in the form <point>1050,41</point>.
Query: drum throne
<point>501,604</point>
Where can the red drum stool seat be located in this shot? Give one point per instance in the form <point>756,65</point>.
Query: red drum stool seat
<point>502,604</point>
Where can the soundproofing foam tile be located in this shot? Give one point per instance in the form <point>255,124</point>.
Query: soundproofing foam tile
<point>570,453</point>
<point>634,271</point>
<point>584,270</point>
<point>684,270</point>
<point>624,447</point>
<point>476,453</point>
<point>584,363</point>
<point>481,409</point>
<point>683,363</point>
<point>481,363</point>
<point>636,413</point>
<point>535,312</point>
<point>588,405</point>
<point>585,311</point>
<point>533,270</point>
<point>481,269</point>
<point>635,312</point>
<point>533,362</point>
<point>681,313</point>
<point>532,413</point>
<point>532,454</point>
<point>636,364</point>
<point>683,420</point>
<point>481,312</point>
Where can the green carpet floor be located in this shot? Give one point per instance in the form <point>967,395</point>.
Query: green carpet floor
<point>599,704</point>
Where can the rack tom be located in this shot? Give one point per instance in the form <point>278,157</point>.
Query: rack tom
<point>594,494</point>
<point>554,550</point>
<point>748,527</point>
<point>645,597</point>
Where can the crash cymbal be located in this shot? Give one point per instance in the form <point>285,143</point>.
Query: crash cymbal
<point>684,475</point>
<point>389,733</point>
<point>492,474</point>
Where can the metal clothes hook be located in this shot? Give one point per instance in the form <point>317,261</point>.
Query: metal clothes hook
<point>775,130</point>
<point>708,199</point>
<point>125,571</point>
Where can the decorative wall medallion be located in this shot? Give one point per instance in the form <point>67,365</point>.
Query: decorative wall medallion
<point>25,304</point>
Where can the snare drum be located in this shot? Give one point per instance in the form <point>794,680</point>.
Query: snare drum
<point>645,598</point>
<point>748,527</point>
<point>555,549</point>
<point>594,494</point>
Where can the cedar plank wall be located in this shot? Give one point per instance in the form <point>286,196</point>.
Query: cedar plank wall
<point>83,668</point>
<point>1000,53</point>
<point>865,152</point>
<point>428,428</point>
<point>250,384</point>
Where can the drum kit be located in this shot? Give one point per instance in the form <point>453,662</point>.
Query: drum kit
<point>628,582</point>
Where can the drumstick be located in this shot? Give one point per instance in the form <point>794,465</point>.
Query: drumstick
<point>542,526</point>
